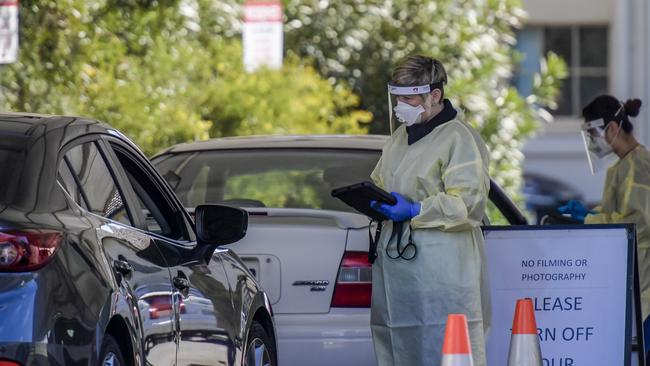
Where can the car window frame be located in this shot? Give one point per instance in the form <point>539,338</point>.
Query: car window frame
<point>111,143</point>
<point>505,205</point>
<point>97,139</point>
<point>65,164</point>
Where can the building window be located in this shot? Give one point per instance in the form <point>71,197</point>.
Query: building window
<point>585,50</point>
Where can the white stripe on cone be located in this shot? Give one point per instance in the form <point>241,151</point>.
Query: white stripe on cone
<point>524,350</point>
<point>457,360</point>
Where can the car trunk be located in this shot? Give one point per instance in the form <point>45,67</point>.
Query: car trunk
<point>295,254</point>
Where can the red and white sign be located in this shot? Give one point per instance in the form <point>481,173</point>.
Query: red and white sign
<point>263,34</point>
<point>263,11</point>
<point>8,31</point>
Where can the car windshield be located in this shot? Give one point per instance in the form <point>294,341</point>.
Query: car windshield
<point>279,178</point>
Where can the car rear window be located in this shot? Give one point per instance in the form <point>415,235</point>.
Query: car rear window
<point>10,161</point>
<point>279,178</point>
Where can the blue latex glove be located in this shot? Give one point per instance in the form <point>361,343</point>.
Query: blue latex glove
<point>403,210</point>
<point>576,209</point>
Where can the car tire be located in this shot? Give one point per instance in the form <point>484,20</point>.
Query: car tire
<point>110,355</point>
<point>260,350</point>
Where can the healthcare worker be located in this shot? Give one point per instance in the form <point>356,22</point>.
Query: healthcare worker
<point>626,197</point>
<point>430,256</point>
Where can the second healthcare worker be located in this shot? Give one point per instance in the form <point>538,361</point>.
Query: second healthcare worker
<point>430,256</point>
<point>626,197</point>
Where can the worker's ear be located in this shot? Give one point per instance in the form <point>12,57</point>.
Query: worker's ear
<point>436,96</point>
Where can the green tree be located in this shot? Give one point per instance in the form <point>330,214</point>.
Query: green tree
<point>149,68</point>
<point>110,60</point>
<point>293,100</point>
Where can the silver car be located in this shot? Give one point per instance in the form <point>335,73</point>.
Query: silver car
<point>308,250</point>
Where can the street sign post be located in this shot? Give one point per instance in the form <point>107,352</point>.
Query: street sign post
<point>263,35</point>
<point>8,31</point>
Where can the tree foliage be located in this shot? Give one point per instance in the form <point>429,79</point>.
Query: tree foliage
<point>148,68</point>
<point>293,100</point>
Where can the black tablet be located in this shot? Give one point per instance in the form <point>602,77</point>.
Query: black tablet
<point>359,196</point>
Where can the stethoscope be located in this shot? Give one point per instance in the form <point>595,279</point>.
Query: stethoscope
<point>402,252</point>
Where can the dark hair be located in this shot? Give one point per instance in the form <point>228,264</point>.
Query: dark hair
<point>611,109</point>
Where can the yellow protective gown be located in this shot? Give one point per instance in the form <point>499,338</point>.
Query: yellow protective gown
<point>626,199</point>
<point>447,171</point>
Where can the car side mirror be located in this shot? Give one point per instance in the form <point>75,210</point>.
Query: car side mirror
<point>220,225</point>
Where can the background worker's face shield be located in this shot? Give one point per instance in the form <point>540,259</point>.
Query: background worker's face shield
<point>598,150</point>
<point>408,95</point>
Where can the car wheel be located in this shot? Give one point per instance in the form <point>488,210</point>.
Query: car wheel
<point>111,355</point>
<point>260,351</point>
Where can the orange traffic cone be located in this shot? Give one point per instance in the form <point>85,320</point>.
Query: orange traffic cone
<point>457,351</point>
<point>524,343</point>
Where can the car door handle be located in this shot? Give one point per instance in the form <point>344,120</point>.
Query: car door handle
<point>181,283</point>
<point>122,266</point>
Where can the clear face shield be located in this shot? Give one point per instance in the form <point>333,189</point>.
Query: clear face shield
<point>402,112</point>
<point>598,150</point>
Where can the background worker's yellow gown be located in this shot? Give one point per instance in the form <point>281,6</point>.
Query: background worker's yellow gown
<point>626,199</point>
<point>447,171</point>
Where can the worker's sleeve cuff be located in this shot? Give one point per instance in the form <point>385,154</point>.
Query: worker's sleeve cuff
<point>416,208</point>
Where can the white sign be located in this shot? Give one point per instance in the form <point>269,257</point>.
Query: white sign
<point>579,282</point>
<point>8,31</point>
<point>263,35</point>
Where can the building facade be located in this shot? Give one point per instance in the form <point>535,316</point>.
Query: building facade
<point>606,44</point>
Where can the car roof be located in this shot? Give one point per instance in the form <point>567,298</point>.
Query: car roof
<point>362,142</point>
<point>21,123</point>
<point>27,124</point>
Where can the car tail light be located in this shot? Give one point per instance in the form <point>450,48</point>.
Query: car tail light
<point>354,283</point>
<point>8,363</point>
<point>27,250</point>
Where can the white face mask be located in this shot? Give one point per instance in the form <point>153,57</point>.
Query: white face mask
<point>599,146</point>
<point>408,114</point>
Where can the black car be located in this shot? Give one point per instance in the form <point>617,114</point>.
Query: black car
<point>100,263</point>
